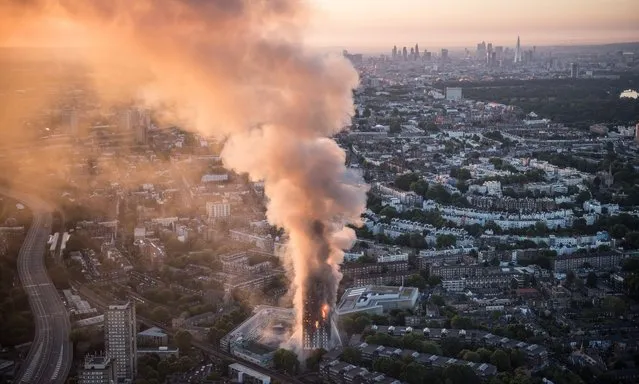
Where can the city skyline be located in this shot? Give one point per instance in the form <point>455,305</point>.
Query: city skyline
<point>333,25</point>
<point>236,191</point>
<point>441,25</point>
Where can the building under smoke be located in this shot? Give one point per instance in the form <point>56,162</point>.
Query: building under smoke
<point>284,139</point>
<point>316,320</point>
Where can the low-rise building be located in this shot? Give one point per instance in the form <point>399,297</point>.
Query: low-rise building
<point>383,278</point>
<point>376,299</point>
<point>242,374</point>
<point>163,352</point>
<point>536,354</point>
<point>597,260</point>
<point>218,209</point>
<point>152,337</point>
<point>370,352</point>
<point>456,285</point>
<point>339,372</point>
<point>353,270</point>
<point>97,370</point>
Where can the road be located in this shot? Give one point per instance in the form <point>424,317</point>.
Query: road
<point>101,302</point>
<point>50,357</point>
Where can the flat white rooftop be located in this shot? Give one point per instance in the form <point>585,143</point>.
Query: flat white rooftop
<point>364,298</point>
<point>241,368</point>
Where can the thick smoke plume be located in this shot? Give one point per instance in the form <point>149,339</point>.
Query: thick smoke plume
<point>236,69</point>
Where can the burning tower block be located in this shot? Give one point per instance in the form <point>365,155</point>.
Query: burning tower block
<point>318,328</point>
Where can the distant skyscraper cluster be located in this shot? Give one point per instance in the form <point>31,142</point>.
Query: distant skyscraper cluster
<point>407,55</point>
<point>496,56</point>
<point>136,121</point>
<point>486,53</point>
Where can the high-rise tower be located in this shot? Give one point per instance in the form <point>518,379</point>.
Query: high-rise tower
<point>316,320</point>
<point>574,70</point>
<point>518,57</point>
<point>120,339</point>
<point>444,55</point>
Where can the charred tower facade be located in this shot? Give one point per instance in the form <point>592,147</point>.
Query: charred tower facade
<point>316,321</point>
<point>318,292</point>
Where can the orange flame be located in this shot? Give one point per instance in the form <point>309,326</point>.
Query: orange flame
<point>325,309</point>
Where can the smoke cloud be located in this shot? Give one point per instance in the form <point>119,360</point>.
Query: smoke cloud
<point>236,69</point>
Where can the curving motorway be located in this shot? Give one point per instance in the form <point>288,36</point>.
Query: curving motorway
<point>50,356</point>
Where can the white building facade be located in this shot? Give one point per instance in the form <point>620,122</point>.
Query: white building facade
<point>120,339</point>
<point>220,209</point>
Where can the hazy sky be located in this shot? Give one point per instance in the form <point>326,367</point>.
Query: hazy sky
<point>374,24</point>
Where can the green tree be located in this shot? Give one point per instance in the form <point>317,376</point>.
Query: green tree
<point>463,174</point>
<point>471,356</point>
<point>517,358</point>
<point>395,127</point>
<point>445,241</point>
<point>312,362</point>
<point>582,197</point>
<point>570,278</point>
<point>78,335</point>
<point>416,240</point>
<point>615,305</point>
<point>439,194</point>
<point>389,212</point>
<point>183,340</point>
<point>459,374</point>
<point>437,300</point>
<point>215,334</point>
<point>541,228</point>
<point>360,323</point>
<point>416,281</point>
<point>348,324</point>
<point>496,162</point>
<point>430,347</point>
<point>352,355</point>
<point>434,280</point>
<point>591,280</point>
<point>484,355</point>
<point>460,322</point>
<point>412,341</point>
<point>161,315</point>
<point>373,202</point>
<point>414,373</point>
<point>500,359</point>
<point>420,187</point>
<point>618,231</point>
<point>632,240</point>
<point>406,180</point>
<point>451,346</point>
<point>286,361</point>
<point>389,366</point>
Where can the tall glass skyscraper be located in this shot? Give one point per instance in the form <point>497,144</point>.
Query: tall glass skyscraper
<point>518,57</point>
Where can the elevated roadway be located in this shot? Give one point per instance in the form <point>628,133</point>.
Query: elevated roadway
<point>50,357</point>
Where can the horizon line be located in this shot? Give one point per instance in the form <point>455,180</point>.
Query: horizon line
<point>379,49</point>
